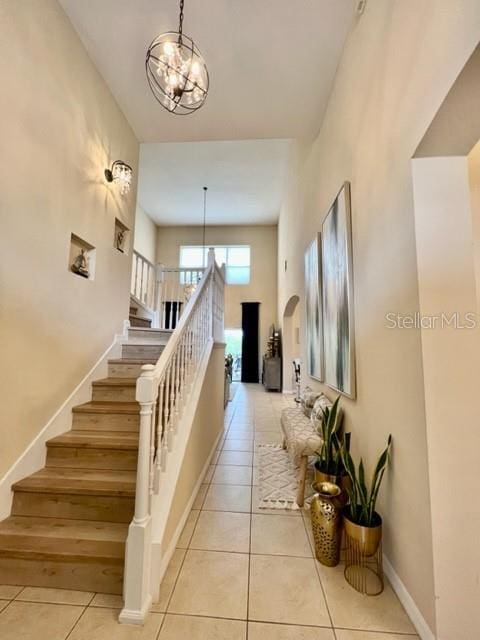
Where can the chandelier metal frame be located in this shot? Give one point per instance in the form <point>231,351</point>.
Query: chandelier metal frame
<point>175,100</point>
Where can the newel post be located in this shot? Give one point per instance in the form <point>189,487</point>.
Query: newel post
<point>136,584</point>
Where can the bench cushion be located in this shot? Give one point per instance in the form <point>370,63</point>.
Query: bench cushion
<point>307,400</point>
<point>301,436</point>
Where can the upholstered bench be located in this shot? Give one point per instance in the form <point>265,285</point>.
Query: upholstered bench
<point>301,439</point>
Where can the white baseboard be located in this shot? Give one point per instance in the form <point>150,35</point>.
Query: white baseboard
<point>162,561</point>
<point>33,458</point>
<point>408,603</point>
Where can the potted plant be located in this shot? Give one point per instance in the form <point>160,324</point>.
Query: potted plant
<point>329,465</point>
<point>362,523</point>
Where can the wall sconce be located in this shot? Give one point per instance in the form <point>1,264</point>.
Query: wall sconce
<point>121,173</point>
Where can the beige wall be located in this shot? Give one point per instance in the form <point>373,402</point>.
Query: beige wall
<point>145,240</point>
<point>59,129</point>
<point>474,185</point>
<point>208,423</point>
<point>263,276</point>
<point>393,75</point>
<point>451,368</point>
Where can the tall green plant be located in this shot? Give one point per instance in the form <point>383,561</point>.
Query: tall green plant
<point>330,457</point>
<point>363,500</point>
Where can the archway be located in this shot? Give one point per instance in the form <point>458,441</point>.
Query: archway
<point>291,342</point>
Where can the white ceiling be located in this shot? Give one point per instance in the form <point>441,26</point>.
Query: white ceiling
<point>271,62</point>
<point>245,180</point>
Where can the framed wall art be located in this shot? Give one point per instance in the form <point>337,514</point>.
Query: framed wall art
<point>313,309</point>
<point>337,296</point>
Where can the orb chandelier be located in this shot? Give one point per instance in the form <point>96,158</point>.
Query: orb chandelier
<point>176,71</point>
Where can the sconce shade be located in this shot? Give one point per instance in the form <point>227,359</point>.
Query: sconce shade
<point>120,173</point>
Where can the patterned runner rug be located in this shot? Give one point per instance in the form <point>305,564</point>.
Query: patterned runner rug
<point>278,479</point>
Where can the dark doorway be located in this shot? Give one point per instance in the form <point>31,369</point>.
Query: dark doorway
<point>250,315</point>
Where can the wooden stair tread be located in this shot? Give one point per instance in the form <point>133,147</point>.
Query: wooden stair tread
<point>115,382</point>
<point>60,539</point>
<point>122,440</point>
<point>79,482</point>
<point>98,406</point>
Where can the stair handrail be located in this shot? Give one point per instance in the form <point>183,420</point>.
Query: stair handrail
<point>162,392</point>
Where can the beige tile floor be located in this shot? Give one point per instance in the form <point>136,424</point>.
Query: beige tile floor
<point>239,572</point>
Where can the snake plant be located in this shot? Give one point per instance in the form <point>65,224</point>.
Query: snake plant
<point>362,500</point>
<point>330,457</point>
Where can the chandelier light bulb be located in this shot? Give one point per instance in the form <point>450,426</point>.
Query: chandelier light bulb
<point>169,48</point>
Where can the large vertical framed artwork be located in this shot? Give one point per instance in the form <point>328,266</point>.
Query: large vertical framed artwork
<point>337,296</point>
<point>313,309</point>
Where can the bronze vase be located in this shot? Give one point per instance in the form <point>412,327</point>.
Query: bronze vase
<point>343,481</point>
<point>326,515</point>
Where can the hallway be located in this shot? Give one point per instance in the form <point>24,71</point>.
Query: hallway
<point>239,573</point>
<point>238,561</point>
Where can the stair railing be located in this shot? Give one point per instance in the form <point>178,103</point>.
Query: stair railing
<point>142,287</point>
<point>174,288</point>
<point>162,392</point>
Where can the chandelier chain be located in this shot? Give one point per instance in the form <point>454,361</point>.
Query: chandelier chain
<point>180,25</point>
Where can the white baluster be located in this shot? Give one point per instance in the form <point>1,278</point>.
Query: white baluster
<point>167,409</point>
<point>171,423</point>
<point>136,276</point>
<point>178,407</point>
<point>147,301</point>
<point>170,297</point>
<point>161,453</point>
<point>153,426</point>
<point>175,393</point>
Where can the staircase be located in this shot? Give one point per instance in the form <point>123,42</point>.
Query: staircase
<point>69,521</point>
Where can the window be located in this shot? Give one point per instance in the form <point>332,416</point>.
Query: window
<point>235,258</point>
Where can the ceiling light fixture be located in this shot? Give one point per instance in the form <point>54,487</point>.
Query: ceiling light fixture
<point>120,173</point>
<point>176,71</point>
